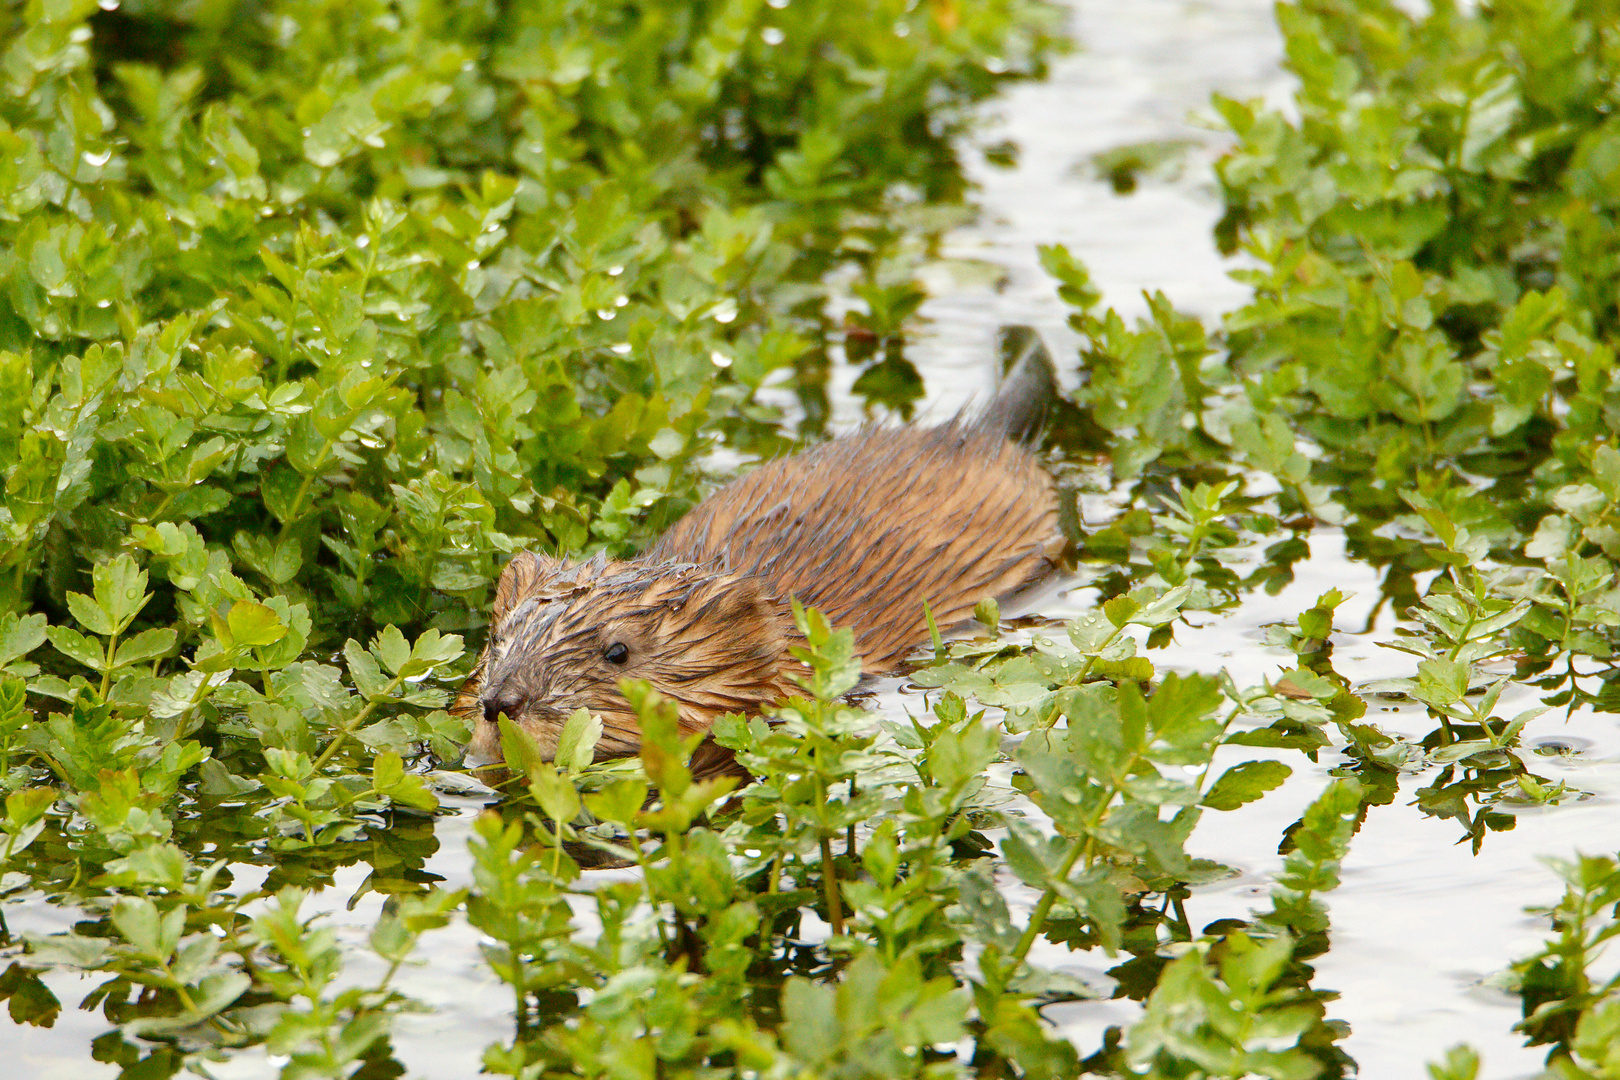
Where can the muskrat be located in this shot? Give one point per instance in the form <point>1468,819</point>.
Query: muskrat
<point>864,528</point>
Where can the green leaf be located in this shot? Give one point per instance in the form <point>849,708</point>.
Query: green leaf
<point>120,590</point>
<point>88,614</point>
<point>154,935</point>
<point>1441,682</point>
<point>368,677</point>
<point>392,649</point>
<point>389,777</point>
<point>158,864</point>
<point>71,643</point>
<point>289,764</point>
<point>1035,858</point>
<point>519,749</point>
<point>554,791</point>
<point>434,649</point>
<point>1245,783</point>
<point>809,1020</point>
<point>1098,900</point>
<point>987,910</point>
<point>19,636</point>
<point>147,645</point>
<point>1462,1063</point>
<point>252,624</point>
<point>28,999</point>
<point>576,744</point>
<point>619,801</point>
<point>1120,609</point>
<point>1156,610</point>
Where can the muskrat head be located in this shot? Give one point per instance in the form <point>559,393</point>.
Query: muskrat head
<point>562,635</point>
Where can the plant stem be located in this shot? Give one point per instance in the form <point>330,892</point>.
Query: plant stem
<point>354,725</point>
<point>106,675</point>
<point>303,490</point>
<point>1091,661</point>
<point>1083,845</point>
<point>829,886</point>
<point>1043,908</point>
<point>849,833</point>
<point>1456,651</point>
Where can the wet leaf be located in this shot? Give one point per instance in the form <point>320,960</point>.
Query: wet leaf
<point>1243,784</point>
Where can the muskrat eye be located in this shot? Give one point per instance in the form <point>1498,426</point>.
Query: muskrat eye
<point>617,653</point>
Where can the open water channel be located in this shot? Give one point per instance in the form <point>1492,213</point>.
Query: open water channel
<point>1422,927</point>
<point>1420,924</point>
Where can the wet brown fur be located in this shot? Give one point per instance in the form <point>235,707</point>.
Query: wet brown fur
<point>864,528</point>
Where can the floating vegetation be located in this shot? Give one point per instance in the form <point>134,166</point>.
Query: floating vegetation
<point>314,313</point>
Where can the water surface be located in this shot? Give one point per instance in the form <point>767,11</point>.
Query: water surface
<point>1420,923</point>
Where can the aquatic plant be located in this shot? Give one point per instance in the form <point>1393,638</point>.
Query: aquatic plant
<point>314,312</point>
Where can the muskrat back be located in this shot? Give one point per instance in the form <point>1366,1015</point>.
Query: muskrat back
<point>865,528</point>
<point>868,527</point>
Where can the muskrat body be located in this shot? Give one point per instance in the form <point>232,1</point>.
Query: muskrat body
<point>865,529</point>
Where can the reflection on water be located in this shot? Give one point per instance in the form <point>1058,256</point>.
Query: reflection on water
<point>1419,922</point>
<point>1143,73</point>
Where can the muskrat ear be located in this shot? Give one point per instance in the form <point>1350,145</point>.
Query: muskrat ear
<point>523,571</point>
<point>743,607</point>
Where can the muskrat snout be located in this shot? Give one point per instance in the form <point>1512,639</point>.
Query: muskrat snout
<point>517,685</point>
<point>517,697</point>
<point>512,698</point>
<point>495,706</point>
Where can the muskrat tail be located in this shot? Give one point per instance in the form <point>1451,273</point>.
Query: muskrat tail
<point>1028,389</point>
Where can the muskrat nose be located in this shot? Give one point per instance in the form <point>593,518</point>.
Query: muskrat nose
<point>495,704</point>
